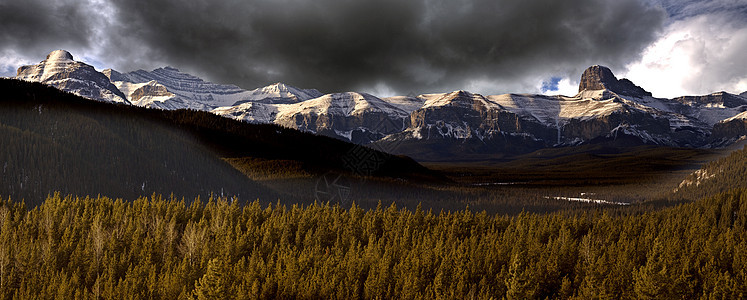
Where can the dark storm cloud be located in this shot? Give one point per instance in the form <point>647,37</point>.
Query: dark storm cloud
<point>407,46</point>
<point>30,25</point>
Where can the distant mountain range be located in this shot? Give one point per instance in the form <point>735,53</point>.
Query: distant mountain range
<point>430,126</point>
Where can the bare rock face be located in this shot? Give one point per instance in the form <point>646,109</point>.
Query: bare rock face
<point>151,89</point>
<point>597,78</point>
<point>61,71</point>
<point>601,78</point>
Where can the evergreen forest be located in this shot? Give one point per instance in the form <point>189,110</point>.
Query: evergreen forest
<point>155,248</point>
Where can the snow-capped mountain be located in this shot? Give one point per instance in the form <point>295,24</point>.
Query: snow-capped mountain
<point>280,93</point>
<point>606,109</point>
<point>357,117</point>
<point>61,71</point>
<point>188,91</point>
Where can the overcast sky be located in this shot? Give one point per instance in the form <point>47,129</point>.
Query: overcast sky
<point>388,47</point>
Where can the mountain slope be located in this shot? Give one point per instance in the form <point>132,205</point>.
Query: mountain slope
<point>187,91</point>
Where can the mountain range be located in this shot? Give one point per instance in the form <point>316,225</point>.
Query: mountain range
<point>442,126</point>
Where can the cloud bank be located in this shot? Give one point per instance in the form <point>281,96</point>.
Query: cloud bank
<point>700,51</point>
<point>392,45</point>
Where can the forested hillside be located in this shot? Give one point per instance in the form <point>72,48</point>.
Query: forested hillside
<point>721,175</point>
<point>54,141</point>
<point>167,249</point>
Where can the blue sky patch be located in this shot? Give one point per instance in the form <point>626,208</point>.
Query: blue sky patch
<point>550,85</point>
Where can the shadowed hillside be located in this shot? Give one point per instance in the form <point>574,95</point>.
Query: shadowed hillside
<point>55,141</point>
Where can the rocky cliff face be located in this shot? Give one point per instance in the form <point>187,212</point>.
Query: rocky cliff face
<point>601,78</point>
<point>463,115</point>
<point>61,71</point>
<point>729,130</point>
<point>722,99</point>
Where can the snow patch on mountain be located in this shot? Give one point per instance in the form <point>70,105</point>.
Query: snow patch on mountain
<point>252,112</point>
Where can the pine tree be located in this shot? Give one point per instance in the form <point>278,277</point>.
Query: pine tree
<point>213,284</point>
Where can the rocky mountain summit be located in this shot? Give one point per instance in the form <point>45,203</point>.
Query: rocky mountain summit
<point>429,126</point>
<point>61,71</point>
<point>601,78</point>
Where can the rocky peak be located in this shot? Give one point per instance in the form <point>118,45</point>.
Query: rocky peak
<point>58,55</point>
<point>596,77</point>
<point>601,78</point>
<point>743,94</point>
<point>113,75</point>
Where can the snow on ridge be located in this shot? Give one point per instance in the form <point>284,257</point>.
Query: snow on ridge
<point>554,110</point>
<point>406,103</point>
<point>740,116</point>
<point>348,103</point>
<point>459,98</point>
